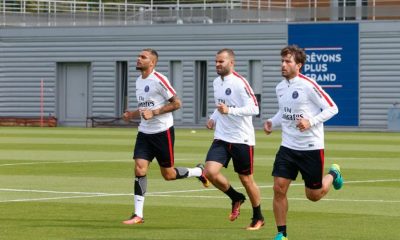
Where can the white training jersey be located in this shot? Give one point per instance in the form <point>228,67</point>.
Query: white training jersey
<point>236,126</point>
<point>302,97</point>
<point>152,93</point>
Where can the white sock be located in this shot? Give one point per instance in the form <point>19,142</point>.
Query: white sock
<point>139,202</point>
<point>194,172</point>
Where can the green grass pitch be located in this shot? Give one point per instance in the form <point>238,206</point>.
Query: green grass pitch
<point>76,183</point>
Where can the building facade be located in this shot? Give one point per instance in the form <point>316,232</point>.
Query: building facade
<point>90,71</point>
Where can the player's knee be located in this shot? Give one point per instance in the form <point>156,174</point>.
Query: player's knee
<point>210,174</point>
<point>140,171</point>
<point>248,181</point>
<point>279,190</point>
<point>313,197</point>
<point>168,177</point>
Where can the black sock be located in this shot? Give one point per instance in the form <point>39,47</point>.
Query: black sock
<point>181,172</point>
<point>140,185</point>
<point>234,195</point>
<point>334,175</point>
<point>257,212</point>
<point>282,229</point>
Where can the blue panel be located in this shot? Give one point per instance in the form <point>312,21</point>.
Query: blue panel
<point>332,60</point>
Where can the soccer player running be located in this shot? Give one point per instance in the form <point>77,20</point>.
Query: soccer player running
<point>234,136</point>
<point>155,139</point>
<point>303,108</point>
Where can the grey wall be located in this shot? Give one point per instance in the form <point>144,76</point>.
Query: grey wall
<point>31,54</point>
<point>379,71</point>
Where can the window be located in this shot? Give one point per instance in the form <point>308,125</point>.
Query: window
<point>352,9</point>
<point>121,87</point>
<point>255,80</point>
<point>201,91</point>
<point>176,80</point>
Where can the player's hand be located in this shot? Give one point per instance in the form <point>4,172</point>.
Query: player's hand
<point>210,124</point>
<point>147,114</point>
<point>268,127</point>
<point>303,124</point>
<point>222,108</point>
<point>126,116</point>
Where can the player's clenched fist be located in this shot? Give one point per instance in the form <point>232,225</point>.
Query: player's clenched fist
<point>210,124</point>
<point>268,127</point>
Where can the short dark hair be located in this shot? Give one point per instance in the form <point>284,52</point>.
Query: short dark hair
<point>229,51</point>
<point>152,52</point>
<point>298,53</point>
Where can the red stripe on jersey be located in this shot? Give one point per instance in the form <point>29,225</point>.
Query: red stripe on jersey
<point>322,156</point>
<point>247,87</point>
<point>318,88</point>
<point>165,83</point>
<point>170,148</point>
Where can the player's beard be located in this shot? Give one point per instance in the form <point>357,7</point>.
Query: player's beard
<point>286,73</point>
<point>223,72</point>
<point>141,68</point>
<point>289,73</point>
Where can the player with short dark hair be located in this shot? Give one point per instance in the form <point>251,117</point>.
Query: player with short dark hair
<point>157,100</point>
<point>303,108</point>
<point>234,136</point>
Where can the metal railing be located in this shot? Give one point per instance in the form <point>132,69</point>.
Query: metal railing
<point>124,12</point>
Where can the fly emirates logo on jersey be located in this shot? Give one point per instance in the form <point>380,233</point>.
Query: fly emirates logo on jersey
<point>288,115</point>
<point>223,101</point>
<point>145,103</point>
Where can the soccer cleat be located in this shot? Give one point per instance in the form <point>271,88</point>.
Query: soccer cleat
<point>338,182</point>
<point>236,208</point>
<point>134,219</point>
<point>255,224</point>
<point>203,179</point>
<point>279,236</point>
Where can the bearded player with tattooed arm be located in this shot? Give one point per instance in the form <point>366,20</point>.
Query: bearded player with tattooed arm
<point>157,100</point>
<point>303,108</point>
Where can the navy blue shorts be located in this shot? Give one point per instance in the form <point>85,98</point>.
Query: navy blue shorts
<point>242,155</point>
<point>157,145</point>
<point>289,162</point>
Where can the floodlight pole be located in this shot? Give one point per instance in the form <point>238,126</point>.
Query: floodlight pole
<point>373,10</point>
<point>177,9</point>
<point>151,12</point>
<point>4,12</point>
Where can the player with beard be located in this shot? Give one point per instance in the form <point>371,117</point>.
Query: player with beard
<point>157,100</point>
<point>303,108</point>
<point>234,136</point>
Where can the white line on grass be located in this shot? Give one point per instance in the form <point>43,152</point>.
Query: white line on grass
<point>102,193</point>
<point>168,194</point>
<point>62,162</point>
<point>374,181</point>
<point>58,198</point>
<point>49,191</point>
<point>76,161</point>
<point>291,199</point>
<point>191,196</point>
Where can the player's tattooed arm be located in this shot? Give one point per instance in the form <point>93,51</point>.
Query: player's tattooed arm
<point>174,104</point>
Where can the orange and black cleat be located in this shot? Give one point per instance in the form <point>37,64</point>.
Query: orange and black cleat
<point>134,219</point>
